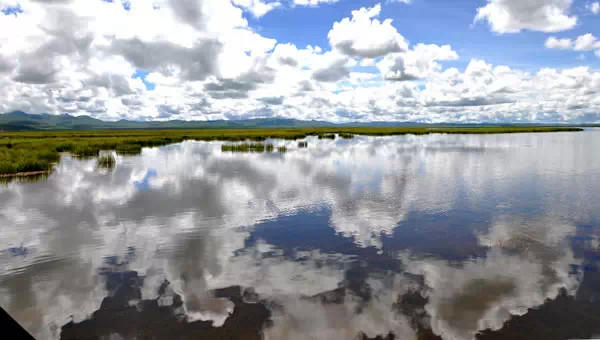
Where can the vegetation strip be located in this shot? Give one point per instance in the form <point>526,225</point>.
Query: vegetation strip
<point>35,152</point>
<point>25,174</point>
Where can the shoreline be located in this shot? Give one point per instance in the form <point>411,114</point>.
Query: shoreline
<point>25,154</point>
<point>25,174</point>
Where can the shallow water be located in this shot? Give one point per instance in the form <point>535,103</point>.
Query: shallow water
<point>405,237</point>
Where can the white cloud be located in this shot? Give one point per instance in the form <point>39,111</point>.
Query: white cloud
<point>257,7</point>
<point>593,7</point>
<point>553,42</point>
<point>586,42</point>
<point>417,63</point>
<point>512,16</point>
<point>313,2</point>
<point>366,37</point>
<point>331,68</point>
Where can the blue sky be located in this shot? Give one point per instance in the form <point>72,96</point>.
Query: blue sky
<point>335,60</point>
<point>436,22</point>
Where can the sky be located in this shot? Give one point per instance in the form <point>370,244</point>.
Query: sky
<point>333,60</point>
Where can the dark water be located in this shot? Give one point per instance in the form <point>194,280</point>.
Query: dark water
<point>407,237</point>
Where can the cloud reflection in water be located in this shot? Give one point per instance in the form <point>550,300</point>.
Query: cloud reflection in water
<point>338,267</point>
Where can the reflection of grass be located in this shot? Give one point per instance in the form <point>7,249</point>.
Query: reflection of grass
<point>37,151</point>
<point>281,149</point>
<point>107,162</point>
<point>303,144</point>
<point>24,177</point>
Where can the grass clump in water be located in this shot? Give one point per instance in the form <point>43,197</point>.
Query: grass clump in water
<point>107,162</point>
<point>346,135</point>
<point>302,145</point>
<point>281,149</point>
<point>247,147</point>
<point>327,136</point>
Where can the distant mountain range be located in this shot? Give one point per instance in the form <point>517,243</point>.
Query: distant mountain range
<point>21,121</point>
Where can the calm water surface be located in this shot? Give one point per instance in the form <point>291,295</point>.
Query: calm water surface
<point>405,237</point>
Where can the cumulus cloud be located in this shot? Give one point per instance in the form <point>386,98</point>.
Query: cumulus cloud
<point>258,8</point>
<point>206,62</point>
<point>512,16</point>
<point>419,62</point>
<point>333,71</point>
<point>195,63</point>
<point>563,44</point>
<point>363,36</point>
<point>585,42</point>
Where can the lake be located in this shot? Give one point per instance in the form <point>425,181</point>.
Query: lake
<point>401,237</point>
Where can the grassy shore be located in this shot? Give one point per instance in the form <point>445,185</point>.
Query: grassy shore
<point>34,152</point>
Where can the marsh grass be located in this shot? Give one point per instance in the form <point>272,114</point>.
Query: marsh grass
<point>106,162</point>
<point>247,147</point>
<point>128,149</point>
<point>85,151</point>
<point>24,158</point>
<point>23,152</point>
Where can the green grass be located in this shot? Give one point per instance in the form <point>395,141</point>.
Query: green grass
<point>26,157</point>
<point>85,150</point>
<point>22,152</point>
